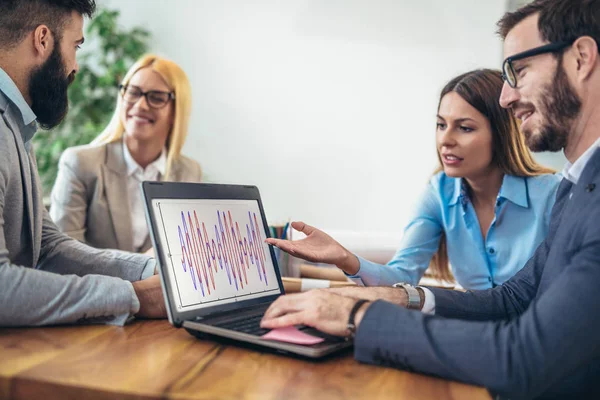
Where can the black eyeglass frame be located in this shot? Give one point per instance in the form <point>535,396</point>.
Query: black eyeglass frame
<point>508,70</point>
<point>123,89</point>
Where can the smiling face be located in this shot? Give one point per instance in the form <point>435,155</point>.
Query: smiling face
<point>143,123</point>
<point>543,100</point>
<point>464,138</point>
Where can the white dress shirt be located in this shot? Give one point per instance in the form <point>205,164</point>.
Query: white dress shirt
<point>572,172</point>
<point>135,176</point>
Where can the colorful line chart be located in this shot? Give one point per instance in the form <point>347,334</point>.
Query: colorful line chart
<point>234,252</point>
<point>215,251</point>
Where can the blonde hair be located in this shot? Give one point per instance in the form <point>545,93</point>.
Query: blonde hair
<point>178,82</point>
<point>481,89</point>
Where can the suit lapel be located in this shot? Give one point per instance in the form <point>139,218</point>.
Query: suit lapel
<point>571,209</point>
<point>25,176</point>
<point>37,205</point>
<point>117,197</point>
<point>562,201</point>
<point>569,195</point>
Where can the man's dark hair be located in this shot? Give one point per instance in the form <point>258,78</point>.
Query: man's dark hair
<point>20,17</point>
<point>559,20</point>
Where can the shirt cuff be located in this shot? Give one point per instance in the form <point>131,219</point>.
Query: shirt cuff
<point>429,303</point>
<point>122,319</point>
<point>149,269</point>
<point>369,273</point>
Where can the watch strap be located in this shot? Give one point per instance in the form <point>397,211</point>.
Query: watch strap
<point>414,297</point>
<point>351,326</point>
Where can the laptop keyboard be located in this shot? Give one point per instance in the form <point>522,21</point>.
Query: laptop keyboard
<point>249,325</point>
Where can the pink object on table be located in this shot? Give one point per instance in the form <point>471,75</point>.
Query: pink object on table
<point>291,334</point>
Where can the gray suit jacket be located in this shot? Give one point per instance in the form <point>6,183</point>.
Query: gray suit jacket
<point>537,335</point>
<point>90,199</point>
<point>45,276</point>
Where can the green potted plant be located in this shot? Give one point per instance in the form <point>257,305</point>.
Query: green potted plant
<point>92,96</point>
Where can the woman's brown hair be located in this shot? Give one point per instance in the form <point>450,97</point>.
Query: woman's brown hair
<point>481,89</point>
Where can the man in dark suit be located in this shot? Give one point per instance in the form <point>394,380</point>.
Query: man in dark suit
<point>536,335</point>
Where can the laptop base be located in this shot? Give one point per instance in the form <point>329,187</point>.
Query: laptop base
<point>310,353</point>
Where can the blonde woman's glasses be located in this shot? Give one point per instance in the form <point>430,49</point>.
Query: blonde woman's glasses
<point>154,98</point>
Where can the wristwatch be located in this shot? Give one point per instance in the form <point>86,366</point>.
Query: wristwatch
<point>414,298</point>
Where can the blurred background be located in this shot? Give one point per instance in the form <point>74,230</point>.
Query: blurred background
<point>327,106</point>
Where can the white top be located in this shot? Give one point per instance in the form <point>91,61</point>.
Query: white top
<point>573,171</point>
<point>135,176</point>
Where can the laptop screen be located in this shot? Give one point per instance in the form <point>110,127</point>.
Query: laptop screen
<point>215,251</point>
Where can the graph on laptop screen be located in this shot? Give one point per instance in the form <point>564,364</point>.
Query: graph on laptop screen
<point>214,250</point>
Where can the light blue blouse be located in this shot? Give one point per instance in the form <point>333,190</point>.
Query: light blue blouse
<point>522,215</point>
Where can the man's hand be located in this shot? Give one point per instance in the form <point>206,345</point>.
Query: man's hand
<point>150,252</point>
<point>321,309</point>
<point>149,293</point>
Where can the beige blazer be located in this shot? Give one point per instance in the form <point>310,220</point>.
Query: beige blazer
<point>90,199</point>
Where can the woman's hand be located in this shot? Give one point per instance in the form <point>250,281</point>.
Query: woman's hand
<point>318,247</point>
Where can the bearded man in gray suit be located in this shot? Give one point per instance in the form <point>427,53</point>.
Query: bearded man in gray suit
<point>45,276</point>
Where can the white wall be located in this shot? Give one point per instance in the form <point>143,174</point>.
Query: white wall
<point>328,106</point>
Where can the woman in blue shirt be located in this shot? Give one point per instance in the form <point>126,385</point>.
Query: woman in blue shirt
<point>485,211</point>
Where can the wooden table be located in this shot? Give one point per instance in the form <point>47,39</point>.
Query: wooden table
<point>152,360</point>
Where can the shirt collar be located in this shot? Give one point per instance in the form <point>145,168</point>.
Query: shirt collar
<point>460,191</point>
<point>572,172</point>
<point>10,90</point>
<point>160,164</point>
<point>513,189</point>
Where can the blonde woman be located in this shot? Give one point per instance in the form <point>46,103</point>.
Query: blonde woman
<point>96,198</point>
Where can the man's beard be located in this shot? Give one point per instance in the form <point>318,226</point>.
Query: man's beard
<point>48,91</point>
<point>560,105</point>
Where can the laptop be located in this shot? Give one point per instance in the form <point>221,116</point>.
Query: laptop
<point>218,275</point>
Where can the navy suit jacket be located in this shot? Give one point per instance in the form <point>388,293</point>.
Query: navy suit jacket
<point>537,335</point>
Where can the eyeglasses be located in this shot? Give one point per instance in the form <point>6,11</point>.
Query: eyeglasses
<point>508,71</point>
<point>155,98</point>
